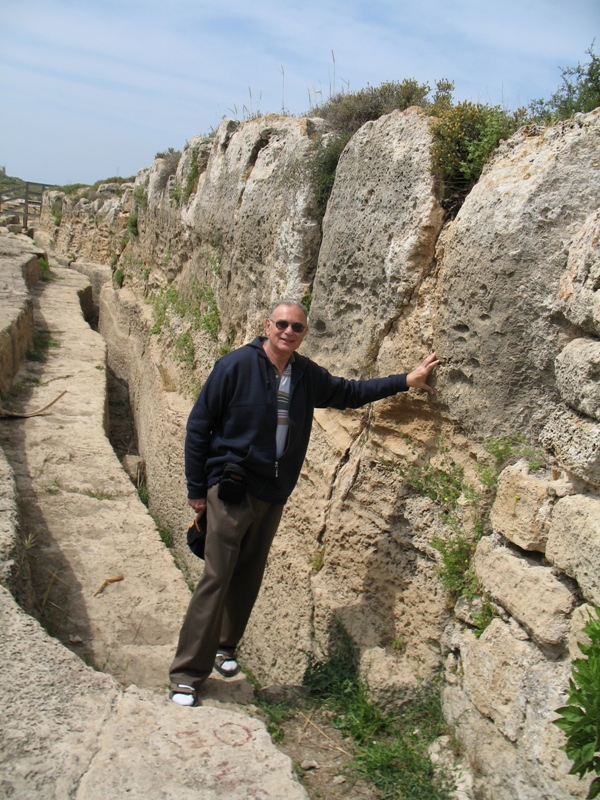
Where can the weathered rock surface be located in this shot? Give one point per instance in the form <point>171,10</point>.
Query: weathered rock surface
<point>529,592</point>
<point>502,699</point>
<point>523,505</point>
<point>579,295</point>
<point>499,293</point>
<point>19,270</point>
<point>578,376</point>
<point>574,542</point>
<point>575,441</point>
<point>379,233</point>
<point>70,731</point>
<point>500,267</point>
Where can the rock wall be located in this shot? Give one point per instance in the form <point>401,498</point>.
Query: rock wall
<point>507,295</point>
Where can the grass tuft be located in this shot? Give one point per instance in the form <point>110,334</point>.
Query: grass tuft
<point>392,747</point>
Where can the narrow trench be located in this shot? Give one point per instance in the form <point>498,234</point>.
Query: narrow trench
<point>121,425</point>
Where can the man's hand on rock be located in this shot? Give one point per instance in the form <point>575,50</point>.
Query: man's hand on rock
<point>417,379</point>
<point>199,506</point>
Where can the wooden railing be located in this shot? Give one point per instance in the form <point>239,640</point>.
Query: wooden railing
<point>25,199</point>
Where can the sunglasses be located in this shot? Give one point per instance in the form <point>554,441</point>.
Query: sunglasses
<point>283,324</point>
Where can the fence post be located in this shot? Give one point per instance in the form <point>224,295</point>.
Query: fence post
<point>26,208</point>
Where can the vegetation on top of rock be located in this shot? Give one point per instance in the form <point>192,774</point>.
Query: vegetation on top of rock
<point>7,183</point>
<point>346,112</point>
<point>87,190</point>
<point>579,92</point>
<point>464,138</point>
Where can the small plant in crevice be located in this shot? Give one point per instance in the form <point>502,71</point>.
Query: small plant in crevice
<point>508,449</point>
<point>579,719</point>
<point>132,225</point>
<point>44,269</point>
<point>183,346</point>
<point>322,165</point>
<point>306,301</point>
<point>143,494</point>
<point>140,198</point>
<point>455,570</point>
<point>164,531</point>
<point>119,276</point>
<point>484,616</point>
<point>191,181</point>
<point>42,343</point>
<point>317,560</point>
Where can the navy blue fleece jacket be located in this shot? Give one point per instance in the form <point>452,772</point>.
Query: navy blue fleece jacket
<point>235,418</point>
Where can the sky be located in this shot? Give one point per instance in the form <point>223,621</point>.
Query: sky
<point>91,89</point>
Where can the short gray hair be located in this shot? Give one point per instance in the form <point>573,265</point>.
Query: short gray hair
<point>288,302</point>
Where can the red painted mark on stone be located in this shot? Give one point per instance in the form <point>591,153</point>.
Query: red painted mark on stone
<point>233,734</point>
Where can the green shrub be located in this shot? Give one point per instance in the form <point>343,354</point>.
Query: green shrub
<point>191,181</point>
<point>455,572</point>
<point>464,138</point>
<point>132,224</point>
<point>119,277</point>
<point>57,212</point>
<point>140,197</point>
<point>348,111</point>
<point>211,321</point>
<point>579,92</point>
<point>176,192</point>
<point>184,348</point>
<point>306,301</point>
<point>580,718</point>
<point>321,167</point>
<point>44,269</point>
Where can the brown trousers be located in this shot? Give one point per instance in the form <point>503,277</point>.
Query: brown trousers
<point>238,541</point>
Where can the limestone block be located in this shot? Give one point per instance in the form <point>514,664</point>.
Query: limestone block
<point>575,441</point>
<point>523,504</point>
<point>499,272</point>
<point>379,236</point>
<point>579,285</point>
<point>574,542</point>
<point>533,767</point>
<point>529,592</point>
<point>495,666</point>
<point>577,376</point>
<point>253,215</point>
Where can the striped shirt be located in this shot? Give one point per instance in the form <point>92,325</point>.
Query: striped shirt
<point>284,384</point>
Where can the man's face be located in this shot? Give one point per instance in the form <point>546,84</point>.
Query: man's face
<point>285,342</point>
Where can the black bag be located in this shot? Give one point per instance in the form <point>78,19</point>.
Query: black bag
<point>233,484</point>
<point>196,536</point>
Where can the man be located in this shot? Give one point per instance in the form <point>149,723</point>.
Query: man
<point>246,440</point>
